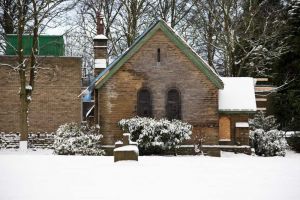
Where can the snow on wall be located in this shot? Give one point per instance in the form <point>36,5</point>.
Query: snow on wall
<point>238,94</point>
<point>242,124</point>
<point>100,63</point>
<point>100,37</point>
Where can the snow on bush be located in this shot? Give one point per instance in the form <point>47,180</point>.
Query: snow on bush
<point>261,121</point>
<point>71,139</point>
<point>154,136</point>
<point>269,143</point>
<point>267,140</point>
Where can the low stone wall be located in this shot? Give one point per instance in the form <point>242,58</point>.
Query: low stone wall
<point>9,140</point>
<point>35,140</point>
<point>40,140</point>
<point>208,150</point>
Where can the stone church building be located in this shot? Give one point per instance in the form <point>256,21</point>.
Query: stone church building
<point>161,76</point>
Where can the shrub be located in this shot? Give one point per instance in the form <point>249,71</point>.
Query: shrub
<point>269,143</point>
<point>155,136</point>
<point>260,121</point>
<point>71,139</point>
<point>266,139</point>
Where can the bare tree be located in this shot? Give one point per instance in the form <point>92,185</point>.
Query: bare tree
<point>8,25</point>
<point>79,41</point>
<point>235,31</point>
<point>205,30</point>
<point>171,11</point>
<point>31,17</point>
<point>130,19</point>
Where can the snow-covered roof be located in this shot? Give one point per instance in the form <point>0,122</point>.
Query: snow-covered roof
<point>238,95</point>
<point>100,37</point>
<point>100,63</point>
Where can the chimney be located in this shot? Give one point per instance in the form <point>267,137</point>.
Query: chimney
<point>100,24</point>
<point>100,46</point>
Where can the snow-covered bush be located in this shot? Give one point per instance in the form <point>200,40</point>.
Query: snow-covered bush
<point>260,121</point>
<point>154,136</point>
<point>71,139</point>
<point>266,139</point>
<point>269,143</point>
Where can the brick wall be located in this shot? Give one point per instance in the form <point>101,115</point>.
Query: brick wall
<point>238,136</point>
<point>199,97</point>
<point>54,99</point>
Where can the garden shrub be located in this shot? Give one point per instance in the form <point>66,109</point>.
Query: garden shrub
<point>156,136</point>
<point>71,139</point>
<point>266,139</point>
<point>269,143</point>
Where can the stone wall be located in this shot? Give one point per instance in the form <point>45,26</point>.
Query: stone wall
<point>54,100</point>
<point>199,97</point>
<point>9,140</point>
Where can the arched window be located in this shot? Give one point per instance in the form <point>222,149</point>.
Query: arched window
<point>144,106</point>
<point>173,107</point>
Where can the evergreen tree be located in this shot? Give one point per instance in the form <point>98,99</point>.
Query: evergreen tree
<point>286,102</point>
<point>266,139</point>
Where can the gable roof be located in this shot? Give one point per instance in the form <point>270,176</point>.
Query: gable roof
<point>238,95</point>
<point>142,39</point>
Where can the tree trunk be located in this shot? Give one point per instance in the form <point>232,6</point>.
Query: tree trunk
<point>24,117</point>
<point>210,48</point>
<point>173,16</point>
<point>22,73</point>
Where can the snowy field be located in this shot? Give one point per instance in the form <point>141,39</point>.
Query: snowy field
<point>38,175</point>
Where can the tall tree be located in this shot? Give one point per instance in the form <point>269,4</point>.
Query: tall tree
<point>130,19</point>
<point>79,41</point>
<point>286,102</point>
<point>205,30</point>
<point>171,11</point>
<point>31,16</point>
<point>259,32</point>
<point>235,31</point>
<point>8,15</point>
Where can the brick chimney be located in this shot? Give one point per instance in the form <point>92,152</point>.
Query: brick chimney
<point>100,46</point>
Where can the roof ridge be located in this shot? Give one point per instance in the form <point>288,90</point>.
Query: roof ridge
<point>212,69</point>
<point>176,39</point>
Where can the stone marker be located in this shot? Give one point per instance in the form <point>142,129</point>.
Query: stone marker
<point>126,150</point>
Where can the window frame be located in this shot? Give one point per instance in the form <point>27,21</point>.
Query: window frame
<point>178,104</point>
<point>148,103</point>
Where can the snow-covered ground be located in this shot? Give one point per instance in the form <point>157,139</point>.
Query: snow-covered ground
<point>38,175</point>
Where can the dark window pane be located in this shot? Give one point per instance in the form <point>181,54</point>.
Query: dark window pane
<point>144,107</point>
<point>158,55</point>
<point>173,107</point>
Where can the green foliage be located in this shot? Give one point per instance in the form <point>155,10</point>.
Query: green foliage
<point>286,106</point>
<point>286,102</point>
<point>71,139</point>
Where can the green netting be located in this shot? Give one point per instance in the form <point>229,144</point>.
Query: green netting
<point>48,45</point>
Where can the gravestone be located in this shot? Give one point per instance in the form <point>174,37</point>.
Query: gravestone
<point>126,149</point>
